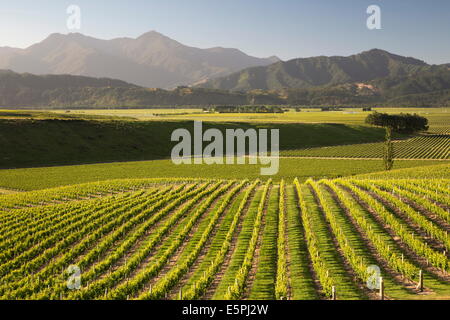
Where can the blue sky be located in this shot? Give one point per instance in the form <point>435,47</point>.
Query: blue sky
<point>286,28</point>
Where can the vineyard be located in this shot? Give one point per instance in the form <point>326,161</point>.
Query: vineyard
<point>227,239</point>
<point>425,146</point>
<point>434,144</point>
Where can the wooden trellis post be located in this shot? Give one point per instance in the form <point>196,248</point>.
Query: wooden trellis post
<point>420,284</point>
<point>333,293</point>
<point>381,288</point>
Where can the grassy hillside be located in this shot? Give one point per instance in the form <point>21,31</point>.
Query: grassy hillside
<point>30,143</point>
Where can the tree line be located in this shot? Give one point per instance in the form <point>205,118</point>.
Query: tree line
<point>401,123</point>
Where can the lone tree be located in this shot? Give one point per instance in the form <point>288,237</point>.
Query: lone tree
<point>388,155</point>
<point>401,123</point>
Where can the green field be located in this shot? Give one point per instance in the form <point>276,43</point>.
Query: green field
<point>307,115</point>
<point>290,168</point>
<point>441,171</point>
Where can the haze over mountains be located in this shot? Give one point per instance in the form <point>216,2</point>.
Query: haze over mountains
<point>152,60</point>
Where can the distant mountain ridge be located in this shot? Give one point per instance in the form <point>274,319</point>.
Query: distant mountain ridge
<point>427,88</point>
<point>151,60</point>
<point>25,90</point>
<point>312,72</point>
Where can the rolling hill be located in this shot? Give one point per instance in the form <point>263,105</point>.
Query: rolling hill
<point>61,91</point>
<point>306,73</point>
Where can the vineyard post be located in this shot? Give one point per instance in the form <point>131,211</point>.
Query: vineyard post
<point>333,293</point>
<point>420,285</point>
<point>381,288</point>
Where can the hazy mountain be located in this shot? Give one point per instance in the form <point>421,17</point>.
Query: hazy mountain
<point>151,60</point>
<point>320,71</point>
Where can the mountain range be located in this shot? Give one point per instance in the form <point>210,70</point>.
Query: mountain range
<point>426,88</point>
<point>151,60</point>
<point>78,71</point>
<point>320,71</point>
